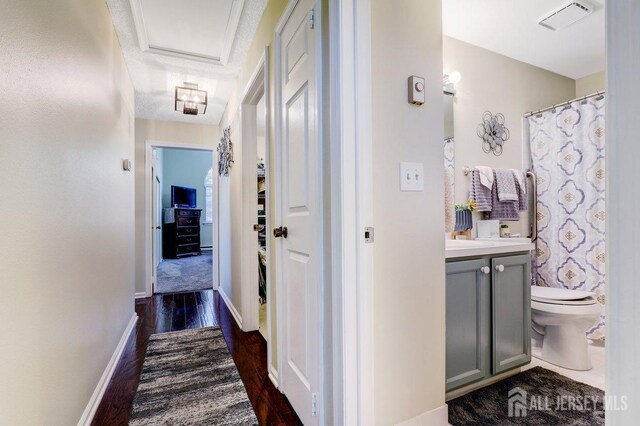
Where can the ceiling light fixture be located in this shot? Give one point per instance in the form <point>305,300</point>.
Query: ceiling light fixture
<point>190,100</point>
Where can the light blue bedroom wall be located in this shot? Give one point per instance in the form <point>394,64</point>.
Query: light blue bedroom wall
<point>183,167</point>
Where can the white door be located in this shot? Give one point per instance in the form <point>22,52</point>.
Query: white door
<point>300,192</point>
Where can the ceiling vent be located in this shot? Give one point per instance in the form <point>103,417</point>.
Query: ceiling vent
<point>566,15</point>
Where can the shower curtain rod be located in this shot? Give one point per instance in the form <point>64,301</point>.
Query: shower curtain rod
<point>581,98</point>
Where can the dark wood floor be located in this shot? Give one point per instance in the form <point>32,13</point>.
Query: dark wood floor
<point>181,311</point>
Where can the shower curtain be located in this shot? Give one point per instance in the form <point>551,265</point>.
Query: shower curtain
<point>567,153</point>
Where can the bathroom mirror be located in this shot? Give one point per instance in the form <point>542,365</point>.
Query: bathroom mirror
<point>449,148</point>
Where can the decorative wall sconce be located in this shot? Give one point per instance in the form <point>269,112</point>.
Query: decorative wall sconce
<point>190,100</point>
<point>225,153</point>
<point>493,132</point>
<point>449,82</point>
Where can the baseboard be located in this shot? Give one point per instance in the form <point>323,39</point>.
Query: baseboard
<point>96,397</point>
<point>273,376</point>
<point>141,294</point>
<point>234,312</point>
<point>436,417</point>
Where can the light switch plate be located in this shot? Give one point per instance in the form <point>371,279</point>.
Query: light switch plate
<point>411,176</point>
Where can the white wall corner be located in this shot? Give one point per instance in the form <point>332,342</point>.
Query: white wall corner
<point>96,397</point>
<point>227,301</point>
<point>436,417</point>
<point>273,376</point>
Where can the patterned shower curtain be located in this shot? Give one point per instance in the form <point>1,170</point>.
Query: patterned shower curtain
<point>567,152</point>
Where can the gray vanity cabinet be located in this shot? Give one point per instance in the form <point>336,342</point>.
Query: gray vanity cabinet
<point>468,322</point>
<point>488,317</point>
<point>511,314</point>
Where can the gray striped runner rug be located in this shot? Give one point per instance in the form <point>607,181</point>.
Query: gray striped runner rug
<point>189,378</point>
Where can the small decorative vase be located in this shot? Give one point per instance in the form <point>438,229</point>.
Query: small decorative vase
<point>464,220</point>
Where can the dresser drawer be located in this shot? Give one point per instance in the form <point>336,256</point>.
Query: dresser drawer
<point>187,230</point>
<point>188,220</point>
<point>189,239</point>
<point>191,213</point>
<point>191,248</point>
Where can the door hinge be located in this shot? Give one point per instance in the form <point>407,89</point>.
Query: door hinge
<point>314,404</point>
<point>312,19</point>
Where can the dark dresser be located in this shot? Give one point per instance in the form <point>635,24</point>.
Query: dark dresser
<point>181,235</point>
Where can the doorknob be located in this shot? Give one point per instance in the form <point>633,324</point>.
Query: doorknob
<point>256,227</point>
<point>157,227</point>
<point>485,270</point>
<point>281,231</point>
<point>500,268</point>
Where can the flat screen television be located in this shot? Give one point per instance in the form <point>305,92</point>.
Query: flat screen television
<point>183,197</point>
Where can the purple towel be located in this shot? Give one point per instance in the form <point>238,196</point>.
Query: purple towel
<point>502,210</point>
<point>479,193</point>
<point>523,200</point>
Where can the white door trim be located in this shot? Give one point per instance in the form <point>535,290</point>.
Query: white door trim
<point>148,210</point>
<point>351,210</point>
<point>256,88</point>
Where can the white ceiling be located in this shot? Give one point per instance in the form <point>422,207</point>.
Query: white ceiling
<point>510,28</point>
<point>169,42</point>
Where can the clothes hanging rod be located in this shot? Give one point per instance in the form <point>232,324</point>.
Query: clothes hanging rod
<point>581,98</point>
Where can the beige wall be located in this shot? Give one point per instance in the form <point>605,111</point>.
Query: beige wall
<point>67,264</point>
<point>590,84</point>
<point>409,296</point>
<point>501,85</point>
<point>231,205</point>
<point>160,131</point>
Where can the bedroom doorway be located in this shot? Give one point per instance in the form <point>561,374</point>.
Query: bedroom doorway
<point>181,218</point>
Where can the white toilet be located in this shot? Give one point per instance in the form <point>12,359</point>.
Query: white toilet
<point>559,320</point>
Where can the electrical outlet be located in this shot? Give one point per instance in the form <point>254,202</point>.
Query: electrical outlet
<point>411,176</point>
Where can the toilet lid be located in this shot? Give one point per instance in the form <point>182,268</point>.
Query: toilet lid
<point>562,296</point>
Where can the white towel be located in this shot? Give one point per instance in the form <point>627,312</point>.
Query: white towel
<point>486,176</point>
<point>506,185</point>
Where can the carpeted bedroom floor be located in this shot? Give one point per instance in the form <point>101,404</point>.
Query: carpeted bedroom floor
<point>187,274</point>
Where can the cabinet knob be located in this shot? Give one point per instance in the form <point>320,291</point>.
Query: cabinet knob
<point>500,268</point>
<point>485,270</point>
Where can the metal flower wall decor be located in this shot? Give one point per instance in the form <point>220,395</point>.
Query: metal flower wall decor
<point>225,153</point>
<point>493,132</point>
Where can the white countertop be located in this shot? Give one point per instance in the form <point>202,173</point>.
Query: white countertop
<point>488,246</point>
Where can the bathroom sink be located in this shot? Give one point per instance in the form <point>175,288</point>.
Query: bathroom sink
<point>466,248</point>
<point>455,244</point>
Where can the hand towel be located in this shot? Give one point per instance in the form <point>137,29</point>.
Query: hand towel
<point>479,193</point>
<point>523,199</point>
<point>506,185</point>
<point>503,210</point>
<point>519,175</point>
<point>486,176</point>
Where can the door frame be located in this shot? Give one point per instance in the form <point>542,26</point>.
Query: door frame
<point>256,89</point>
<point>148,209</point>
<point>351,210</point>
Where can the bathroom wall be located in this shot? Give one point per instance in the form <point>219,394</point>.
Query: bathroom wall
<point>496,83</point>
<point>408,250</point>
<point>590,84</point>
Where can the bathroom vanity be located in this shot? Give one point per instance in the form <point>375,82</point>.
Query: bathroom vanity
<point>488,309</point>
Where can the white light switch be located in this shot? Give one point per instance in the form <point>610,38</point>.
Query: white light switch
<point>411,176</point>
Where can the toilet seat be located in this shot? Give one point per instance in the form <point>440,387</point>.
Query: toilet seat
<point>562,296</point>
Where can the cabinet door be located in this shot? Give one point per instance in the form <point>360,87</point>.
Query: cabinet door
<point>468,322</point>
<point>511,301</point>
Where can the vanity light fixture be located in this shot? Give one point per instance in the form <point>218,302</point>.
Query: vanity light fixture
<point>449,82</point>
<point>190,100</point>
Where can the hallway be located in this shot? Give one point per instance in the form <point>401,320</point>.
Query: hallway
<point>181,311</point>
